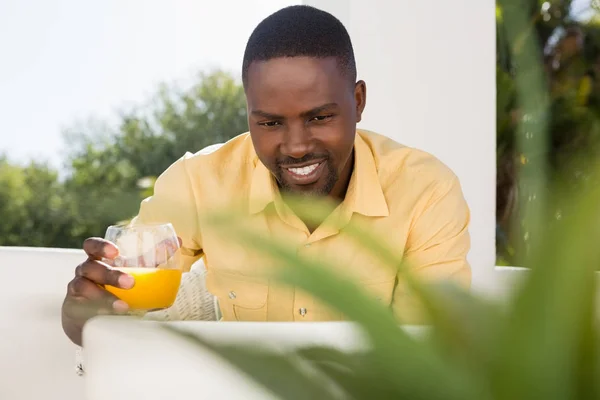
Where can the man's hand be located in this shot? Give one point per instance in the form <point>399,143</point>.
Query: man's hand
<point>86,296</point>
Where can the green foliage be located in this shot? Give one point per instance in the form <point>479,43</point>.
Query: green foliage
<point>543,49</point>
<point>33,205</point>
<point>542,344</point>
<point>111,168</point>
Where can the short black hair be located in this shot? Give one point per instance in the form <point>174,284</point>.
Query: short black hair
<point>298,31</point>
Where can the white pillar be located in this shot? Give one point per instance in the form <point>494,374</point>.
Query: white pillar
<point>429,69</point>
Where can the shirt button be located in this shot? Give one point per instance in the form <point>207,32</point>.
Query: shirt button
<point>232,295</point>
<point>307,245</point>
<point>302,311</point>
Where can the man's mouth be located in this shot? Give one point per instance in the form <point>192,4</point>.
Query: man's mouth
<point>304,174</point>
<point>304,170</point>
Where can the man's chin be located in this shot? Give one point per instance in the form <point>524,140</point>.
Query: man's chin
<point>319,189</point>
<point>305,191</point>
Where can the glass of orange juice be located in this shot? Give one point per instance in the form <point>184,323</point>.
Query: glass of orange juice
<point>151,254</point>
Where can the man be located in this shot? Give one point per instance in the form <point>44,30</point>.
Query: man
<point>304,102</point>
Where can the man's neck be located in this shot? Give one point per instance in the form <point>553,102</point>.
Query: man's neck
<point>338,193</point>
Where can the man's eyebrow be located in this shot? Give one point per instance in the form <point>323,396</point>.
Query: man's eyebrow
<point>264,114</point>
<point>316,110</point>
<point>319,109</point>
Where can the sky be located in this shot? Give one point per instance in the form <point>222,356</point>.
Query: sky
<point>66,61</point>
<point>63,62</point>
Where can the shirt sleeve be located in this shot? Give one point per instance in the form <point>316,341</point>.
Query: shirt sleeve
<point>437,248</point>
<point>174,202</point>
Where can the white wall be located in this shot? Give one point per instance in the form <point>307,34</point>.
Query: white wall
<point>37,361</point>
<point>429,69</point>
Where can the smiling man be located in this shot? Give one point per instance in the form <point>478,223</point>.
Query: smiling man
<point>304,102</point>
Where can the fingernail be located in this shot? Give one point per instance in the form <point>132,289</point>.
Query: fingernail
<point>126,281</point>
<point>120,306</point>
<point>110,252</point>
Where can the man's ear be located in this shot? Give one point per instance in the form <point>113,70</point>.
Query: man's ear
<point>360,98</point>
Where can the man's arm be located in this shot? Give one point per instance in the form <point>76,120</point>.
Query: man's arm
<point>437,248</point>
<point>173,201</point>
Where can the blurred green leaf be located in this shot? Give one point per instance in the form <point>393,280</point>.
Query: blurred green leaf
<point>350,371</point>
<point>553,313</point>
<point>281,374</point>
<point>390,343</point>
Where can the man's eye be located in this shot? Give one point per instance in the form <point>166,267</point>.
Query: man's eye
<point>269,124</point>
<point>321,118</point>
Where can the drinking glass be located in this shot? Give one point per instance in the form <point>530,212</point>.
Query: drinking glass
<point>151,254</point>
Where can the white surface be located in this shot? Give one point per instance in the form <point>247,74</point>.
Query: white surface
<point>37,360</point>
<point>145,350</point>
<point>429,69</point>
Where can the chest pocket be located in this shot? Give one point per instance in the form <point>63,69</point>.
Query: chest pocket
<point>241,298</point>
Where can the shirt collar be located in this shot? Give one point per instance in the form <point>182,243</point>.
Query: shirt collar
<point>364,196</point>
<point>263,189</point>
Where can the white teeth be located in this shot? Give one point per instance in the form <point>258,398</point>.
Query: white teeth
<point>304,170</point>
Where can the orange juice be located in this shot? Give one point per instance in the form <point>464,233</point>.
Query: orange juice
<point>154,288</point>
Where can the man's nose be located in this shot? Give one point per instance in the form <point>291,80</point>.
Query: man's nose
<point>297,142</point>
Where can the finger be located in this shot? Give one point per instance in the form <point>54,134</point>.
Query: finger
<point>98,248</point>
<point>86,299</point>
<point>80,309</point>
<point>165,250</point>
<point>100,273</point>
<point>84,289</point>
<point>160,254</point>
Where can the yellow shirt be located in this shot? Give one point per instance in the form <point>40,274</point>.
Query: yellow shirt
<point>409,196</point>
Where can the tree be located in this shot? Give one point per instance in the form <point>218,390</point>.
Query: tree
<point>34,207</point>
<point>112,168</point>
<point>569,56</point>
<point>108,169</point>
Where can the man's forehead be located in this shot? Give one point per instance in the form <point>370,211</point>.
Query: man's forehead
<point>293,83</point>
<point>293,73</point>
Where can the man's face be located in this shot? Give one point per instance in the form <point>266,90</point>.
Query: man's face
<point>302,114</point>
